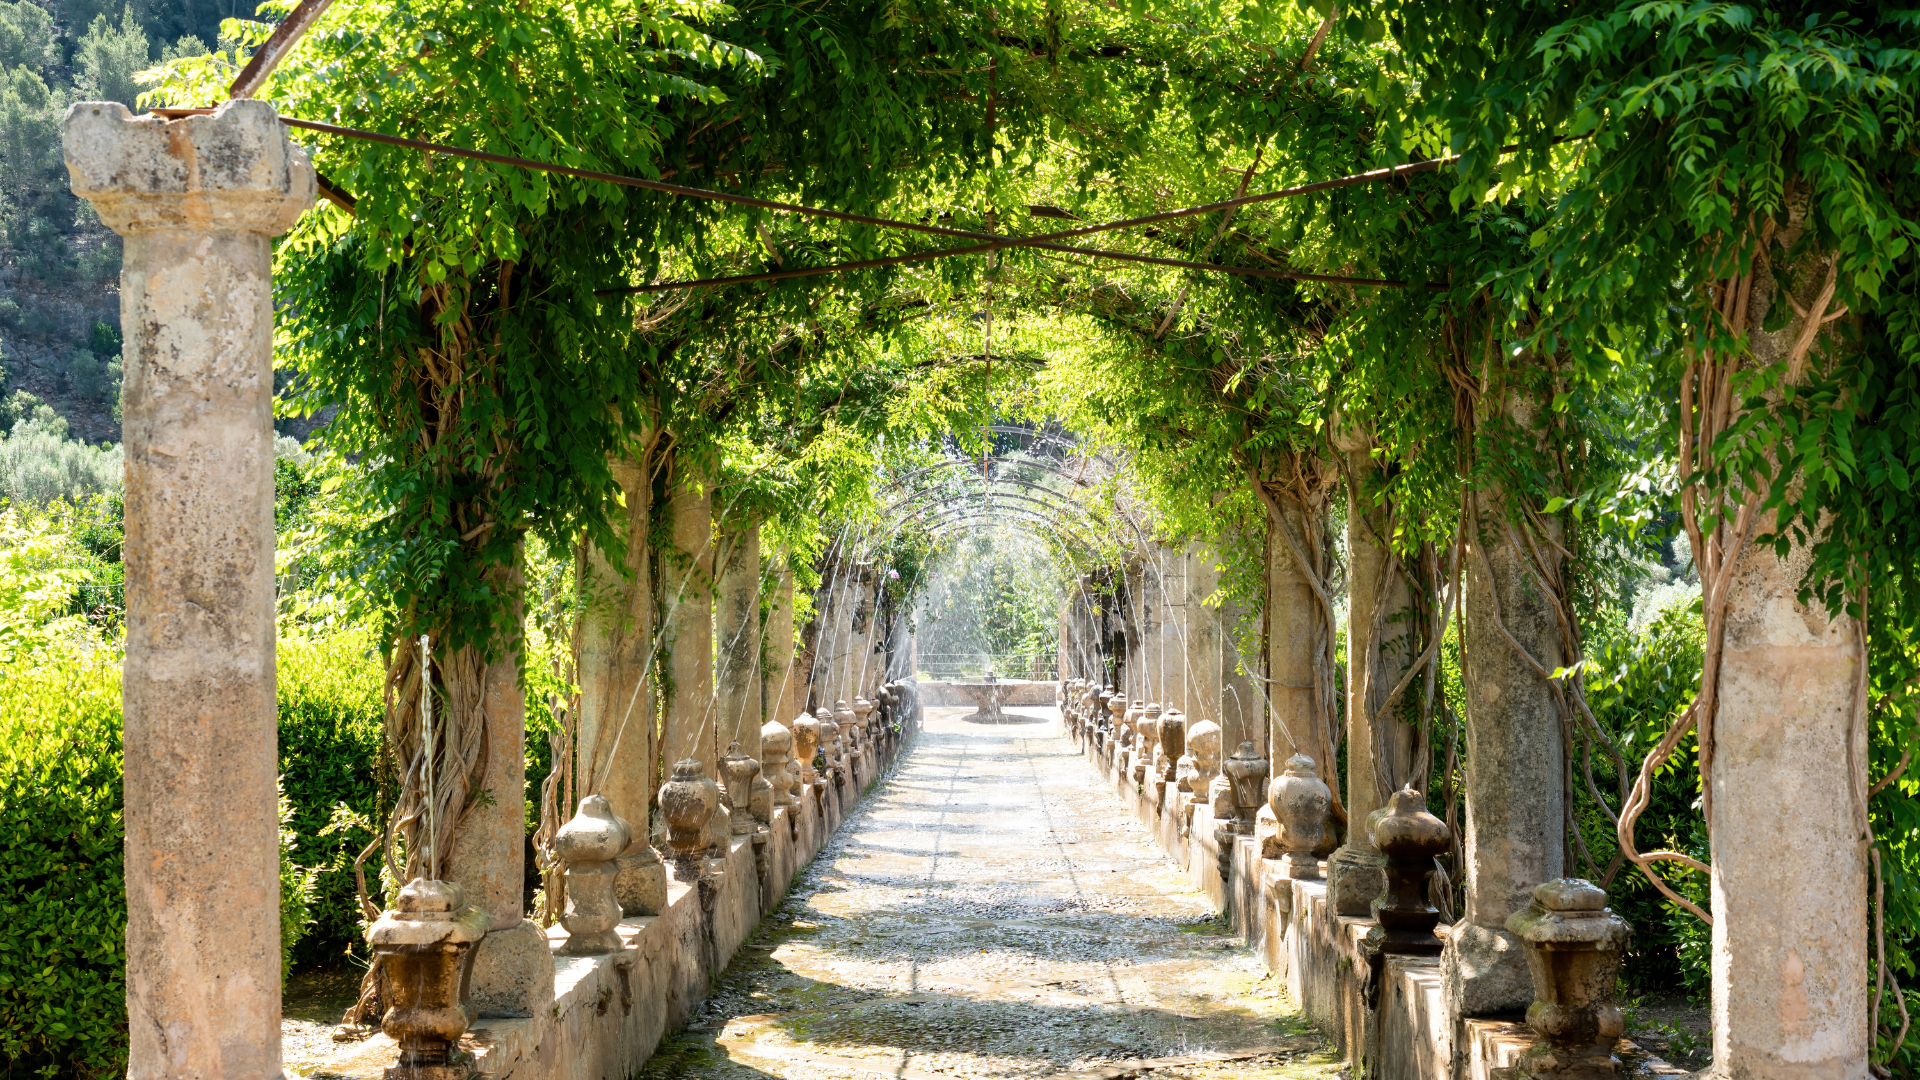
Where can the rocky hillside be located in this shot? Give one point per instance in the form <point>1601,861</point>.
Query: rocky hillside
<point>59,267</point>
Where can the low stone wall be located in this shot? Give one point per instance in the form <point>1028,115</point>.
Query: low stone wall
<point>1407,1033</point>
<point>610,1012</point>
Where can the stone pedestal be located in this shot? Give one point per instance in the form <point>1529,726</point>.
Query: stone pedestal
<point>1575,945</point>
<point>589,845</point>
<point>198,200</point>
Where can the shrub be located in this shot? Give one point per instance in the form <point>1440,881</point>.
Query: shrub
<point>39,463</point>
<point>330,741</point>
<point>62,893</point>
<point>62,987</point>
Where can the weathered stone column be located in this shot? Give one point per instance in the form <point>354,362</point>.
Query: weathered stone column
<point>1378,761</point>
<point>1243,702</point>
<point>737,621</point>
<point>1205,646</point>
<point>198,200</point>
<point>786,686</point>
<point>512,970</point>
<point>1174,607</point>
<point>615,727</point>
<point>1515,780</point>
<point>686,598</point>
<point>1789,948</point>
<point>1290,639</point>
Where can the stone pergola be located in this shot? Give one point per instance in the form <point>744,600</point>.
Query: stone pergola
<point>198,200</point>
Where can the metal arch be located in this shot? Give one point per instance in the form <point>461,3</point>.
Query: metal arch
<point>957,463</point>
<point>977,498</point>
<point>1061,496</point>
<point>959,514</point>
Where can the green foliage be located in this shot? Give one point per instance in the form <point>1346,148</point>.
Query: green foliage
<point>26,37</point>
<point>62,995</point>
<point>39,463</point>
<point>328,688</point>
<point>108,57</point>
<point>1637,682</point>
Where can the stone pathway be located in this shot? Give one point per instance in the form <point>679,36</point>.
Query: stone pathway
<point>991,911</point>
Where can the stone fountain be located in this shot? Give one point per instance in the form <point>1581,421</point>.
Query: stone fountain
<point>984,696</point>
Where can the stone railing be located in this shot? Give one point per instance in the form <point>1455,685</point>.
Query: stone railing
<point>1373,984</point>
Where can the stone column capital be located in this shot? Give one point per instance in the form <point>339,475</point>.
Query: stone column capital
<point>232,171</point>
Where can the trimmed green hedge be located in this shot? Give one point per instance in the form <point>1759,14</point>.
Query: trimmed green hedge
<point>62,899</point>
<point>62,895</point>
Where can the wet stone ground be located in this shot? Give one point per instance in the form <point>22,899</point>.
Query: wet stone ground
<point>991,910</point>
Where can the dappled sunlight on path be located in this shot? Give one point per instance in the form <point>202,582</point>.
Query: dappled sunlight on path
<point>992,911</point>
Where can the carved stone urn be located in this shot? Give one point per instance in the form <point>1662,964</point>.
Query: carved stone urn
<point>862,713</point>
<point>1173,744</point>
<point>1202,761</point>
<point>1575,944</point>
<point>1146,742</point>
<point>687,802</point>
<point>1410,838</point>
<point>806,747</point>
<point>843,716</point>
<point>740,771</point>
<point>776,748</point>
<point>425,945</point>
<point>1299,799</point>
<point>1246,771</point>
<point>830,744</point>
<point>588,845</point>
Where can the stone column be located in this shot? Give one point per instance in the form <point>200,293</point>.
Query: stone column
<point>686,598</point>
<point>1206,660</point>
<point>512,971</point>
<point>1174,624</point>
<point>1243,708</point>
<point>197,200</point>
<point>737,621</point>
<point>1356,871</point>
<point>1789,944</point>
<point>1290,639</point>
<point>786,684</point>
<point>1515,779</point>
<point>615,725</point>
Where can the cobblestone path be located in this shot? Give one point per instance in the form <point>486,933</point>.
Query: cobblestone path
<point>990,910</point>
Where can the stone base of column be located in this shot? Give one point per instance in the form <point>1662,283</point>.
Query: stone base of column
<point>1484,972</point>
<point>512,973</point>
<point>1355,877</point>
<point>641,884</point>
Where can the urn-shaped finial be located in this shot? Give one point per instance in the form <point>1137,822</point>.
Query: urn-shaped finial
<point>806,746</point>
<point>588,844</point>
<point>776,748</point>
<point>1575,944</point>
<point>1410,838</point>
<point>594,834</point>
<point>1173,743</point>
<point>1203,757</point>
<point>1299,799</point>
<point>425,944</point>
<point>687,802</point>
<point>739,771</point>
<point>1247,771</point>
<point>830,744</point>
